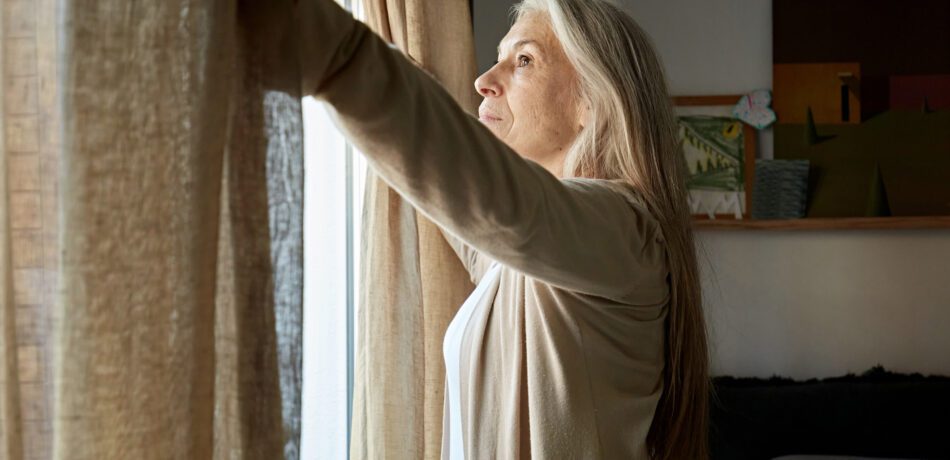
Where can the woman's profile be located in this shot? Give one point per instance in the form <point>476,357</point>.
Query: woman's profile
<point>566,202</point>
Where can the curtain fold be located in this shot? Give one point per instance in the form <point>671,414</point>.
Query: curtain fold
<point>260,260</point>
<point>412,283</point>
<point>150,230</point>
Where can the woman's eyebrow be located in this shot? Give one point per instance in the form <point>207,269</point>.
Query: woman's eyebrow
<point>521,43</point>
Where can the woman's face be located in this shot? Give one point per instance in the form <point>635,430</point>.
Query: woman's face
<point>530,97</point>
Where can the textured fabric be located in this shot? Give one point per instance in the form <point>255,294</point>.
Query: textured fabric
<point>171,223</point>
<point>568,361</point>
<point>411,280</point>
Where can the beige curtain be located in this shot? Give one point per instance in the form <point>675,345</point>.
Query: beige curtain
<point>412,281</point>
<point>150,230</point>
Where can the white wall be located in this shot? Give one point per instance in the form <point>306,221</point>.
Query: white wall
<point>793,303</point>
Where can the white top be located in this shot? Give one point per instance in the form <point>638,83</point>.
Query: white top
<point>452,350</point>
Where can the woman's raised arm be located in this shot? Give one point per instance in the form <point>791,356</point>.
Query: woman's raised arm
<point>590,236</point>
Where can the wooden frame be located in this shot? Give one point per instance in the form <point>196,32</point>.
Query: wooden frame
<point>749,146</point>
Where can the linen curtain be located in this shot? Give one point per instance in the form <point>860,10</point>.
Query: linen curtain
<point>412,281</point>
<point>150,230</point>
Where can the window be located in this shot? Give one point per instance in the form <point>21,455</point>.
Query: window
<point>334,175</point>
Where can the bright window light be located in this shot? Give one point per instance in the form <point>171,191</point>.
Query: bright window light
<point>334,177</point>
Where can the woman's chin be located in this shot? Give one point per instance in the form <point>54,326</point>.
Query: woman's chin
<point>493,127</point>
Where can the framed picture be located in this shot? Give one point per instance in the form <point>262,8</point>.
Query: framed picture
<point>719,150</point>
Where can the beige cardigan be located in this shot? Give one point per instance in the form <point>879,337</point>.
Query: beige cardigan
<point>568,360</point>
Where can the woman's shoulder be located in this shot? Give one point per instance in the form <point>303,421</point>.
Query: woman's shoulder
<point>625,189</point>
<point>646,224</point>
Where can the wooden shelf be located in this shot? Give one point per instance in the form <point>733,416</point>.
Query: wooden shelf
<point>834,223</point>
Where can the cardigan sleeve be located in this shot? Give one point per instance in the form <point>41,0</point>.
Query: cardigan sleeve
<point>585,235</point>
<point>476,264</point>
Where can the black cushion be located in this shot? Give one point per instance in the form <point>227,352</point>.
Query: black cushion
<point>876,414</point>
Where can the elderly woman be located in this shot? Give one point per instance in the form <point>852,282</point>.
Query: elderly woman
<point>566,202</point>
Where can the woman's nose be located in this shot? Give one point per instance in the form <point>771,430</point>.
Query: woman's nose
<point>486,85</point>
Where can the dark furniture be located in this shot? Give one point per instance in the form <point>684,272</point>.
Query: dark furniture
<point>876,414</point>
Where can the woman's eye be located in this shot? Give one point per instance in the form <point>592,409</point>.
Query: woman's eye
<point>523,61</point>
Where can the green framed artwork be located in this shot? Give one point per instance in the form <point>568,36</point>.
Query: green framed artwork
<point>719,151</point>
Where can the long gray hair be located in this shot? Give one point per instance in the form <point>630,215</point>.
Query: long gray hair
<point>632,135</point>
